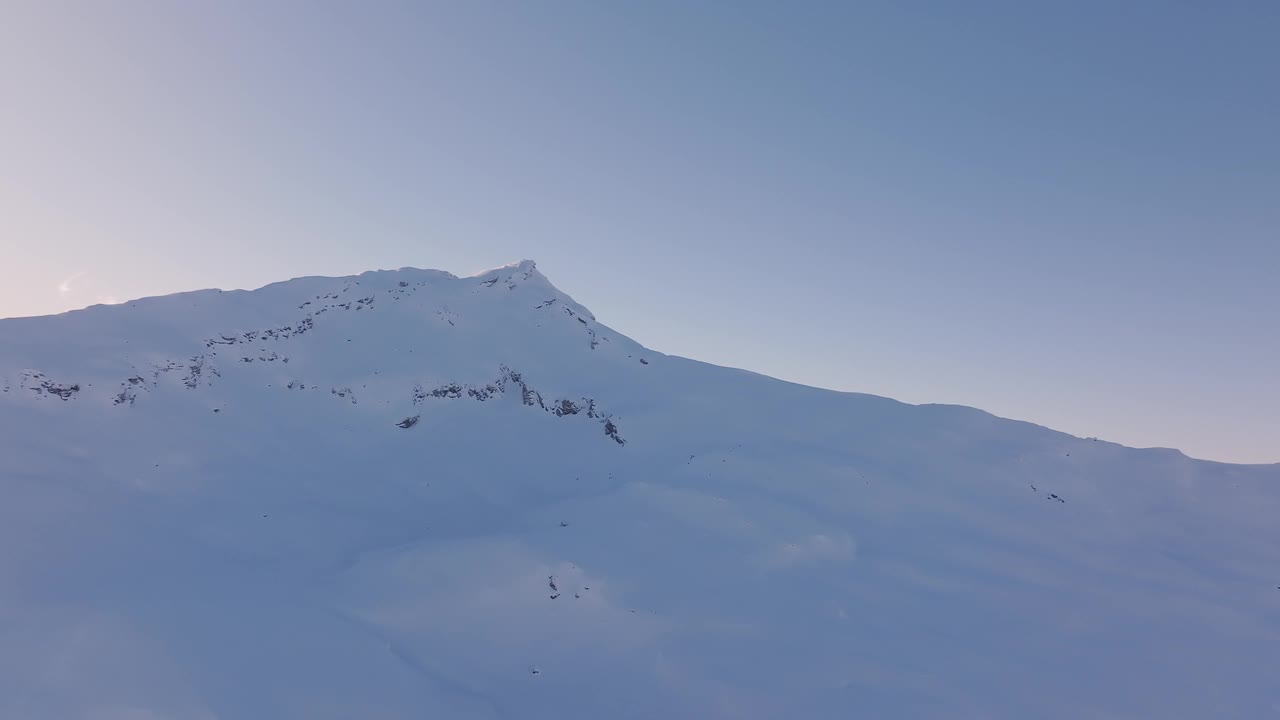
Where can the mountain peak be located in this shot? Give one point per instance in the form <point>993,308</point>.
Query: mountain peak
<point>416,494</point>
<point>525,274</point>
<point>517,266</point>
<point>526,269</point>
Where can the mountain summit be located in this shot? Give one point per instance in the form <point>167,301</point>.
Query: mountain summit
<point>408,494</point>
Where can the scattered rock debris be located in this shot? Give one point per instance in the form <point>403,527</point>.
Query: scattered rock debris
<point>528,396</point>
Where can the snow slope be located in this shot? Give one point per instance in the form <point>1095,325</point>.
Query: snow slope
<point>411,495</point>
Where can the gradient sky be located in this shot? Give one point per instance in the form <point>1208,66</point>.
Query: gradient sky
<point>1067,213</point>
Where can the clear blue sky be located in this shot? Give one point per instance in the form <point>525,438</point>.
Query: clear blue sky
<point>1062,212</point>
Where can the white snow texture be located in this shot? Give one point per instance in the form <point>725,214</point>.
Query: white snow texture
<point>406,494</point>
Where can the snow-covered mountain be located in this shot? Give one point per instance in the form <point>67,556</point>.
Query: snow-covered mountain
<point>406,494</point>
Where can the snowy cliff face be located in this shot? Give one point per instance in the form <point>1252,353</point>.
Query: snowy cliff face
<point>406,494</point>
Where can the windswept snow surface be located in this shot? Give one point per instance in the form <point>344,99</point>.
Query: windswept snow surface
<point>407,494</point>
